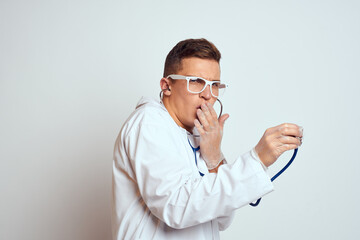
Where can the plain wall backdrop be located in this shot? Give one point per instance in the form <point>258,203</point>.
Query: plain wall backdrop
<point>72,71</point>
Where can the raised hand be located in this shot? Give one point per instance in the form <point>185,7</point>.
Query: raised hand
<point>277,140</point>
<point>210,129</point>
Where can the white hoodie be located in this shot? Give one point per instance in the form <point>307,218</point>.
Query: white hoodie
<point>158,192</point>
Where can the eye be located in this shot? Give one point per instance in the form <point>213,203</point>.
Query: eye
<point>196,80</point>
<point>216,84</point>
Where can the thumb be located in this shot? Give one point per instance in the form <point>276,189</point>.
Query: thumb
<point>222,119</point>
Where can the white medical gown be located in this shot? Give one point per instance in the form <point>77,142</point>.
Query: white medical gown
<point>158,192</point>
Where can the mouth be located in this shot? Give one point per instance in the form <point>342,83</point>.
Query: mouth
<point>199,106</point>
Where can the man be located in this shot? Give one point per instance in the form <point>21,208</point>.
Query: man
<point>170,179</point>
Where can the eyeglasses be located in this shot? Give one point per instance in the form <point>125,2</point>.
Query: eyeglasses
<point>198,84</point>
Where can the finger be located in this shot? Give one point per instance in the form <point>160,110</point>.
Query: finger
<point>222,120</point>
<point>199,127</point>
<point>301,129</point>
<point>300,139</point>
<point>277,130</point>
<point>288,125</point>
<point>290,130</point>
<point>288,147</point>
<point>209,117</point>
<point>212,110</point>
<point>203,120</point>
<point>285,129</point>
<point>290,140</point>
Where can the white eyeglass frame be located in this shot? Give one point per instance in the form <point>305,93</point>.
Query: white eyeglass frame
<point>207,82</point>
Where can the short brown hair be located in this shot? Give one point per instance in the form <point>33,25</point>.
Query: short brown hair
<point>200,48</point>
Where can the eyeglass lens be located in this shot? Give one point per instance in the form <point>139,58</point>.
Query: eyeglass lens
<point>197,85</point>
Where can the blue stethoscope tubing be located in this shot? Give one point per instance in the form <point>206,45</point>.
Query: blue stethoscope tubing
<point>277,175</point>
<point>194,151</point>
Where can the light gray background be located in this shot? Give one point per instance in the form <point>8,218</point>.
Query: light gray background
<point>72,71</point>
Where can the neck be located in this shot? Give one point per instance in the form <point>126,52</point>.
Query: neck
<point>173,115</point>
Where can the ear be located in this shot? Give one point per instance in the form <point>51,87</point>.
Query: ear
<point>165,85</point>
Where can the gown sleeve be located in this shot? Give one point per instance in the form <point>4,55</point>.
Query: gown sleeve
<point>167,185</point>
<point>224,222</point>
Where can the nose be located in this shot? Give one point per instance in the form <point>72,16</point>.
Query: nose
<point>206,94</point>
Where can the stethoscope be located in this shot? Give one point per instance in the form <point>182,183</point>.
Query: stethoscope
<point>272,179</point>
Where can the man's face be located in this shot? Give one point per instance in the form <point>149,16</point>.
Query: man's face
<point>182,105</point>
